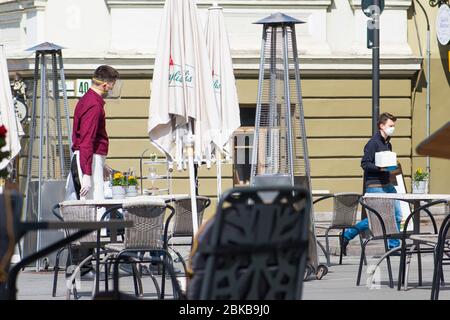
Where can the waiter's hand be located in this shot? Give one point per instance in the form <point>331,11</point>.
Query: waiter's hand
<point>85,185</point>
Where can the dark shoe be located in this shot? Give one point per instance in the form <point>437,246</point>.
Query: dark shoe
<point>343,243</point>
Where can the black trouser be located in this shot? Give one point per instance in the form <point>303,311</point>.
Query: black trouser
<point>78,254</point>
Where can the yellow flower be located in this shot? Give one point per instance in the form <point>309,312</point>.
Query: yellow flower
<point>118,175</point>
<point>131,177</point>
<point>419,171</point>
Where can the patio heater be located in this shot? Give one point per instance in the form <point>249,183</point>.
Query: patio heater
<point>280,150</point>
<point>49,151</point>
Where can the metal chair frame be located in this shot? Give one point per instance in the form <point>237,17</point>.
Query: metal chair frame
<point>91,244</point>
<point>415,247</point>
<point>115,258</point>
<point>438,248</point>
<point>186,229</point>
<point>334,226</point>
<point>405,234</point>
<point>441,248</point>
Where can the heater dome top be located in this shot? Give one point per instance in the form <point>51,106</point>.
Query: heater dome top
<point>46,46</point>
<point>279,18</point>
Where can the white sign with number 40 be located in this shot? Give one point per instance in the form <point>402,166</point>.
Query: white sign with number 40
<point>82,86</point>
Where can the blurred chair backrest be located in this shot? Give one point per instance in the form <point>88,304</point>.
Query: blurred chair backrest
<point>258,247</point>
<point>79,212</point>
<point>345,208</point>
<point>10,213</point>
<point>386,209</point>
<point>182,221</point>
<point>148,229</point>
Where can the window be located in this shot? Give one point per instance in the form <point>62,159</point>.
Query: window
<point>243,146</point>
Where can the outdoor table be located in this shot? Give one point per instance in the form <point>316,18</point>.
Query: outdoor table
<point>108,203</point>
<point>414,199</point>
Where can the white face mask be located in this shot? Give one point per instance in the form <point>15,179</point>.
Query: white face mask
<point>390,131</point>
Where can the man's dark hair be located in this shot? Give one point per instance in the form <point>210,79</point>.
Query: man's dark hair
<point>384,117</point>
<point>106,74</point>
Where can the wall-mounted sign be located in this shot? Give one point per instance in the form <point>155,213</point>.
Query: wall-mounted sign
<point>443,24</point>
<point>82,86</point>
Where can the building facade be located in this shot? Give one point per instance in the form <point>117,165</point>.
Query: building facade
<point>335,66</point>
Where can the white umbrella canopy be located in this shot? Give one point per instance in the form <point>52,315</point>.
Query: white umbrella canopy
<point>7,112</point>
<point>182,99</point>
<point>223,75</point>
<point>224,82</point>
<point>182,85</point>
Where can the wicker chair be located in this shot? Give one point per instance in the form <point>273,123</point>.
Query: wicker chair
<point>73,212</point>
<point>345,206</point>
<point>382,226</point>
<point>148,234</point>
<point>255,248</point>
<point>181,225</point>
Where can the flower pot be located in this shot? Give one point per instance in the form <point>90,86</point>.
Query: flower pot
<point>131,191</point>
<point>419,187</point>
<point>118,192</point>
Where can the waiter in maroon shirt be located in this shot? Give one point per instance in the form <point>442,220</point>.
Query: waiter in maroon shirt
<point>90,147</point>
<point>89,136</point>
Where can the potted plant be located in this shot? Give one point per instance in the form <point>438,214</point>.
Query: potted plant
<point>420,178</point>
<point>118,186</point>
<point>131,187</point>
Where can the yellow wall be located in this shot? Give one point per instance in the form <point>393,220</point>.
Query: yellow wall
<point>439,93</point>
<point>338,125</point>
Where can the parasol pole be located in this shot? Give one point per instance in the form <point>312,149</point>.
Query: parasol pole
<point>190,153</point>
<point>219,173</point>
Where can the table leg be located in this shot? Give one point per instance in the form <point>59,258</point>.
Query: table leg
<point>416,229</point>
<point>97,264</point>
<point>416,218</point>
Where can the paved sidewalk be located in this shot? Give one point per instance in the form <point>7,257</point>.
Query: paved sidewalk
<point>338,284</point>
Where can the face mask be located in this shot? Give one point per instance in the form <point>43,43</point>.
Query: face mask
<point>114,93</point>
<point>390,131</point>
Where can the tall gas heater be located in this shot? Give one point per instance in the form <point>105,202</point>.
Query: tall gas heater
<point>280,149</point>
<point>49,152</point>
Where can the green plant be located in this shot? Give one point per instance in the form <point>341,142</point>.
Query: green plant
<point>3,154</point>
<point>118,179</point>
<point>132,181</point>
<point>420,175</point>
